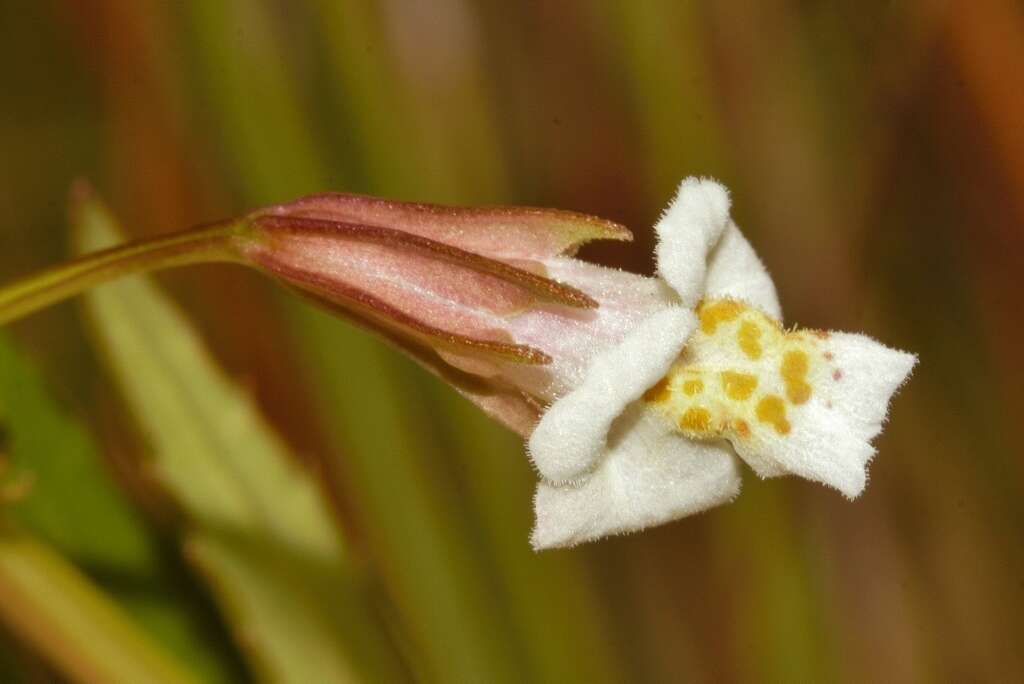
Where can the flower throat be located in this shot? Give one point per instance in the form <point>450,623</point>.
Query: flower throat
<point>741,376</point>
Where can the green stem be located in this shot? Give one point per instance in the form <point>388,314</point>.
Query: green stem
<point>197,245</point>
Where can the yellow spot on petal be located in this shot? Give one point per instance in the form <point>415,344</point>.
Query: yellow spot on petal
<point>659,393</point>
<point>717,312</point>
<point>772,410</point>
<point>794,374</point>
<point>724,382</point>
<point>749,338</point>
<point>738,386</point>
<point>696,419</point>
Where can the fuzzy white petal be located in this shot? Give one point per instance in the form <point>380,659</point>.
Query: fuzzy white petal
<point>736,272</point>
<point>572,434</point>
<point>573,336</point>
<point>831,433</point>
<point>649,474</point>
<point>688,230</point>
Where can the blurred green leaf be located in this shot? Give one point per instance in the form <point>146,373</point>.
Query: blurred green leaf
<point>70,490</point>
<point>661,44</point>
<point>69,499</point>
<point>258,525</point>
<point>51,605</point>
<point>252,86</point>
<point>72,503</point>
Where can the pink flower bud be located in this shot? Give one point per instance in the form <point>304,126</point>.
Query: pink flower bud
<point>489,298</point>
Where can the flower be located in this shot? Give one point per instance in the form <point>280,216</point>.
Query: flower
<point>639,396</point>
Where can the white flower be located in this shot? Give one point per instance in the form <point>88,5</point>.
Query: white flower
<point>723,382</point>
<point>639,396</point>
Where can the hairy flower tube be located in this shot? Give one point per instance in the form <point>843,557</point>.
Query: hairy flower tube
<point>639,397</point>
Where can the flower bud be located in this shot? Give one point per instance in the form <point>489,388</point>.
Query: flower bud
<point>490,298</point>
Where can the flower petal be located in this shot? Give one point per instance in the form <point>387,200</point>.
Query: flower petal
<point>687,231</point>
<point>735,271</point>
<point>648,475</point>
<point>572,435</point>
<point>498,232</point>
<point>829,439</point>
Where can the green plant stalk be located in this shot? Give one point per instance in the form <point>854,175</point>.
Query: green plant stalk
<point>54,608</point>
<point>197,245</point>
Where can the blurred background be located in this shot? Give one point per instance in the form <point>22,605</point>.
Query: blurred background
<point>875,152</point>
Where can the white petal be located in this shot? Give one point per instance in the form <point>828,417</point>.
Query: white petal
<point>735,271</point>
<point>687,232</point>
<point>649,475</point>
<point>573,336</point>
<point>830,437</point>
<point>572,434</point>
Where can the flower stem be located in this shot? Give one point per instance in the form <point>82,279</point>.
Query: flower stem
<point>215,242</point>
